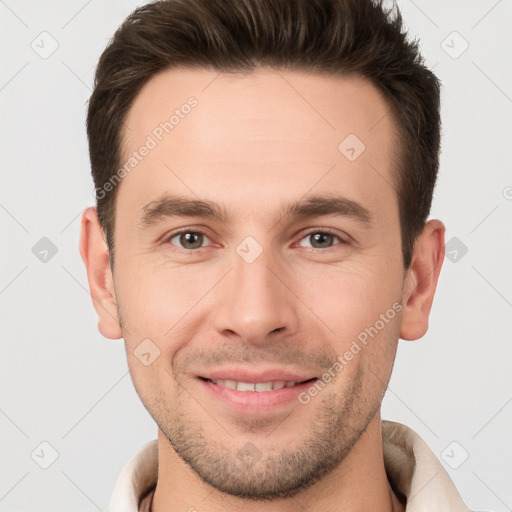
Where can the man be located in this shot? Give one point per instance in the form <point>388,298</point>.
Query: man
<point>264,171</point>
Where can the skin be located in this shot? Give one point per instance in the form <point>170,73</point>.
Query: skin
<point>253,142</point>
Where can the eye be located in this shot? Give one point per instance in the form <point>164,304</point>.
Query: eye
<point>194,240</point>
<point>188,240</point>
<point>321,239</point>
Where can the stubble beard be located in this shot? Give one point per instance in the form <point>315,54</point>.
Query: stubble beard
<point>250,473</point>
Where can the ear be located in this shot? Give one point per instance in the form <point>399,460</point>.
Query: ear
<point>94,252</point>
<point>421,280</point>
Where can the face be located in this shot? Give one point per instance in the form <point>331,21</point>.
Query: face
<point>258,271</point>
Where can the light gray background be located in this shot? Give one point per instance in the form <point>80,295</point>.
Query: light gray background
<point>63,384</point>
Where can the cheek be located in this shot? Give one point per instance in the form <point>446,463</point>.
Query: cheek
<point>154,300</point>
<point>366,360</point>
<point>349,298</point>
<point>154,385</point>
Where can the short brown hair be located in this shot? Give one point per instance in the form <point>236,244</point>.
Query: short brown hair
<point>335,37</point>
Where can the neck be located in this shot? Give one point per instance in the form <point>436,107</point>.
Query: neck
<point>358,483</point>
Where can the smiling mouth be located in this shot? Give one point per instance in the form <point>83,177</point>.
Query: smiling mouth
<point>255,386</point>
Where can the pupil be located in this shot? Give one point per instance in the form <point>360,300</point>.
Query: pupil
<point>187,239</point>
<point>321,238</point>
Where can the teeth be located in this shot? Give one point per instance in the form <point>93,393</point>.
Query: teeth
<point>230,384</point>
<point>263,386</point>
<point>251,386</point>
<point>245,386</point>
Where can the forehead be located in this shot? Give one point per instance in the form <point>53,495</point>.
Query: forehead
<point>269,129</point>
<point>272,100</point>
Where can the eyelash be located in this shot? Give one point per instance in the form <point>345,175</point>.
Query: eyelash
<point>313,231</point>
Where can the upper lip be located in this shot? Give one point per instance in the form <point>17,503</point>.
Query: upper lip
<point>256,376</point>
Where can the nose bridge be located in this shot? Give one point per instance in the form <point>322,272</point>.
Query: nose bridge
<point>254,301</point>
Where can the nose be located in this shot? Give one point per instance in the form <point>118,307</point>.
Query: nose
<point>255,301</point>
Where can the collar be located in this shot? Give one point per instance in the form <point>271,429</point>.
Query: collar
<point>411,467</point>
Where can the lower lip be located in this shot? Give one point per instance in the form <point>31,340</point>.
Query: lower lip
<point>256,401</point>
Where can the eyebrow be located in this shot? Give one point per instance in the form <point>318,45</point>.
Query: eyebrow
<point>317,206</point>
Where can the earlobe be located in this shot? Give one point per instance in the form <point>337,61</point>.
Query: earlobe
<point>94,252</point>
<point>421,280</point>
